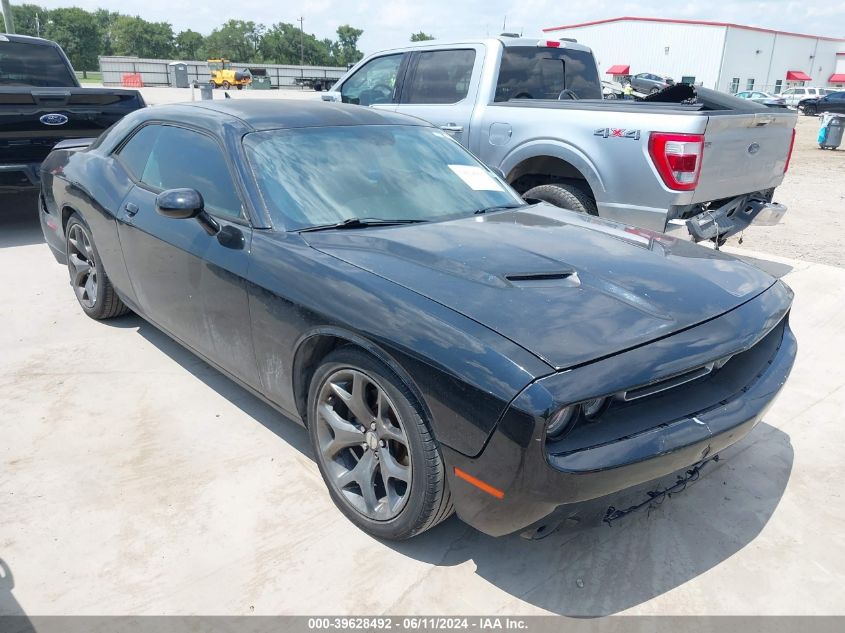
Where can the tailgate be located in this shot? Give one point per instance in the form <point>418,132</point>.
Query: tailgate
<point>27,133</point>
<point>744,153</point>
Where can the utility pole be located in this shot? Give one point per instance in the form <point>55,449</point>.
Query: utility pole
<point>7,16</point>
<point>37,26</point>
<point>301,42</point>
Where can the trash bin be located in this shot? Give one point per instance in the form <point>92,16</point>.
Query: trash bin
<point>830,131</point>
<point>179,73</point>
<point>206,91</point>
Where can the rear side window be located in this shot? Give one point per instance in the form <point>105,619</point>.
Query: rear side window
<point>23,64</point>
<point>137,150</point>
<point>440,77</point>
<point>529,72</point>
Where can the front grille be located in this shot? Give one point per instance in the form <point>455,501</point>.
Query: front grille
<point>691,393</point>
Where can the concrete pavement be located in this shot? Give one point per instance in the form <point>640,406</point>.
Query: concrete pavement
<point>136,479</point>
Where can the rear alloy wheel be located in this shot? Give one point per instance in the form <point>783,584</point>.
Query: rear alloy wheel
<point>565,196</point>
<point>654,91</point>
<point>89,281</point>
<point>375,451</point>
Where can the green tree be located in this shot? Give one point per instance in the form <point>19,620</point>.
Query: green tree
<point>421,37</point>
<point>284,43</point>
<point>236,40</point>
<point>105,20</point>
<point>77,33</point>
<point>346,49</point>
<point>188,44</point>
<point>25,22</point>
<point>135,36</point>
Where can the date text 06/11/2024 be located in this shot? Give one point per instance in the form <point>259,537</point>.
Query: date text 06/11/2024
<point>420,623</point>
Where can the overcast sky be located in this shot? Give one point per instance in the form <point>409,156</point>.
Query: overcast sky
<point>389,23</point>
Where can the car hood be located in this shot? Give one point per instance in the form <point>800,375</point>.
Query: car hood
<point>569,288</point>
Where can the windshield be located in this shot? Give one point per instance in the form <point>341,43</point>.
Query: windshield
<point>321,176</point>
<point>23,64</point>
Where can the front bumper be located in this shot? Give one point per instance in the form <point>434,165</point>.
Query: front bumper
<point>573,487</point>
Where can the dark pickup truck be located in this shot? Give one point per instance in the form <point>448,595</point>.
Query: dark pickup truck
<point>42,104</point>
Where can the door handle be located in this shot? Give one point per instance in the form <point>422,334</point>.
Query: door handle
<point>131,208</point>
<point>451,127</point>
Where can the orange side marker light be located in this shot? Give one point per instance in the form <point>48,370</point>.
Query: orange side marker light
<point>490,490</point>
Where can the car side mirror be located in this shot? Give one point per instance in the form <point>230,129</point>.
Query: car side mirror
<point>183,204</point>
<point>332,95</point>
<point>180,204</point>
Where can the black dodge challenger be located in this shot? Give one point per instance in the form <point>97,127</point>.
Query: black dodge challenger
<point>449,346</point>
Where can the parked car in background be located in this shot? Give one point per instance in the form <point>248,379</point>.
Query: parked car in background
<point>793,96</point>
<point>534,110</point>
<point>448,345</point>
<point>764,98</point>
<point>832,102</point>
<point>42,104</point>
<point>649,83</point>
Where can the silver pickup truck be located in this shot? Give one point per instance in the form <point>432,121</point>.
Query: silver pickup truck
<point>707,165</point>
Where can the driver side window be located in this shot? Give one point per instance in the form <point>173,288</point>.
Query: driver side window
<point>374,82</point>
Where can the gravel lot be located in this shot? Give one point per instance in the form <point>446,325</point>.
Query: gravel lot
<point>814,191</point>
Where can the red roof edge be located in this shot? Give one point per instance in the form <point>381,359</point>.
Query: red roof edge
<point>701,22</point>
<point>797,75</point>
<point>618,69</point>
<point>836,78</point>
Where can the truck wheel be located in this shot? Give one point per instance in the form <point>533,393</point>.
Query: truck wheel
<point>240,87</point>
<point>88,278</point>
<point>374,447</point>
<point>226,85</point>
<point>565,196</point>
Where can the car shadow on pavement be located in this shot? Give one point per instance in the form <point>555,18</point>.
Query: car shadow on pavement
<point>288,430</point>
<point>19,225</point>
<point>604,570</point>
<point>12,616</point>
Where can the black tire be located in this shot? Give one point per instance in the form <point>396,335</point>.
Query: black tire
<point>654,91</point>
<point>225,85</point>
<point>107,303</point>
<point>240,86</point>
<point>810,110</point>
<point>565,196</point>
<point>428,500</point>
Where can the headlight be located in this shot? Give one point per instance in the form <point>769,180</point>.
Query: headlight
<point>593,408</point>
<point>560,421</point>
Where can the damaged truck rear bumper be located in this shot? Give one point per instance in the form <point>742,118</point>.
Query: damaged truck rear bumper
<point>732,217</point>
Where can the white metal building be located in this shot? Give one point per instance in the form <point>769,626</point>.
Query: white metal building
<point>728,57</point>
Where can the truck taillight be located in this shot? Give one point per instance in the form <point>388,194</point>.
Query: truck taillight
<point>789,154</point>
<point>677,158</point>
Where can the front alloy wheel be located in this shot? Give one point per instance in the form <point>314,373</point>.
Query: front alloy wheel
<point>374,447</point>
<point>363,444</point>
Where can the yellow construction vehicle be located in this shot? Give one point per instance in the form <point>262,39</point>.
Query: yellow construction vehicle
<point>222,75</point>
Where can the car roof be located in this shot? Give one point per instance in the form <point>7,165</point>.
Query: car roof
<point>271,114</point>
<point>26,39</point>
<point>505,40</point>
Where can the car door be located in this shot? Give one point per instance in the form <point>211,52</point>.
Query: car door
<point>188,282</point>
<point>376,83</point>
<point>834,102</point>
<point>440,86</point>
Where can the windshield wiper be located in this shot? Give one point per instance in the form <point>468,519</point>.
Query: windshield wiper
<point>359,223</point>
<point>499,208</point>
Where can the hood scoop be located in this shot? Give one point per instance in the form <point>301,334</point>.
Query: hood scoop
<point>548,279</point>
